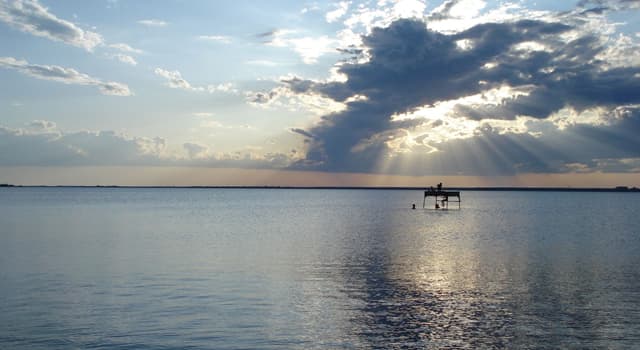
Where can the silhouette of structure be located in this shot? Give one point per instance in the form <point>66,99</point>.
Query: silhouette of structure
<point>441,197</point>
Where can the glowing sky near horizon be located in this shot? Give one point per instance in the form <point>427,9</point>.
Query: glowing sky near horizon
<point>332,93</point>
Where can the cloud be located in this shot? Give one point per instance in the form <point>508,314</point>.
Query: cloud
<point>366,17</point>
<point>216,38</point>
<point>596,6</point>
<point>456,9</point>
<point>545,66</point>
<point>443,11</point>
<point>313,7</point>
<point>153,23</point>
<point>268,35</point>
<point>309,48</point>
<point>125,48</point>
<point>261,97</point>
<point>490,151</point>
<point>223,87</point>
<point>301,132</point>
<point>64,75</point>
<point>124,55</point>
<point>493,151</point>
<point>285,97</point>
<point>341,9</point>
<point>174,79</point>
<point>124,59</point>
<point>43,144</point>
<point>39,126</point>
<point>195,150</point>
<point>31,17</point>
<point>207,122</point>
<point>28,147</point>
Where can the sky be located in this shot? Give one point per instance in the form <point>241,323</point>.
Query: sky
<point>347,93</point>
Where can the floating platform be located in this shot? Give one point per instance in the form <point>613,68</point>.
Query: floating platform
<point>442,198</point>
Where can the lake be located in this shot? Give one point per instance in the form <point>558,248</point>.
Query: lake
<point>176,268</point>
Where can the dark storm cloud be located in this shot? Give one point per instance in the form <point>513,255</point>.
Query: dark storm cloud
<point>411,66</point>
<point>298,85</point>
<point>579,88</point>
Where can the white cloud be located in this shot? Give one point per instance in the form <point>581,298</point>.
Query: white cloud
<point>124,59</point>
<point>64,75</point>
<point>310,8</point>
<point>175,80</point>
<point>226,87</point>
<point>153,23</point>
<point>622,51</point>
<point>467,8</point>
<point>309,48</point>
<point>195,151</point>
<point>31,17</point>
<point>408,8</point>
<point>341,10</point>
<point>124,55</point>
<point>216,38</point>
<point>364,18</point>
<point>42,126</point>
<point>462,18</point>
<point>125,48</point>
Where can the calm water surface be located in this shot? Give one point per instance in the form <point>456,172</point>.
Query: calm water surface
<point>301,269</point>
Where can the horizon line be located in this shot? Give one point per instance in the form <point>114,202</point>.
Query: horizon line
<point>467,188</point>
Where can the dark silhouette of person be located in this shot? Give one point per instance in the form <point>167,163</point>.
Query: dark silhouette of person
<point>414,206</point>
<point>440,187</point>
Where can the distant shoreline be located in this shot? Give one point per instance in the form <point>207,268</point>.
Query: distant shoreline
<point>457,188</point>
